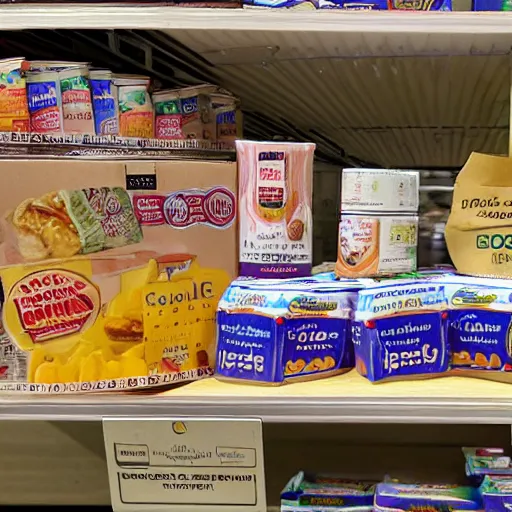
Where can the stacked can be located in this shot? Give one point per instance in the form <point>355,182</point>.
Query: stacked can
<point>378,230</point>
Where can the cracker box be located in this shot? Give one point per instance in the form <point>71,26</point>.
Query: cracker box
<point>111,271</point>
<point>277,331</point>
<point>327,493</point>
<point>401,329</point>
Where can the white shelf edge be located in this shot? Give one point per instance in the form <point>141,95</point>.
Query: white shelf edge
<point>269,409</point>
<point>48,16</point>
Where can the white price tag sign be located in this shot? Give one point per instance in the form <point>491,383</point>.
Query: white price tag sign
<point>185,464</point>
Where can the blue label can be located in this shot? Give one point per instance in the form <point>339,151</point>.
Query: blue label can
<point>104,102</point>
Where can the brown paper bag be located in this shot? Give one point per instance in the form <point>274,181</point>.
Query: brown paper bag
<point>479,229</point>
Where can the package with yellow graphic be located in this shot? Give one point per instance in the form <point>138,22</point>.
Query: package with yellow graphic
<point>106,285</point>
<point>159,323</point>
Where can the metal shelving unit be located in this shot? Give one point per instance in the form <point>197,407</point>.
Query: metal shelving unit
<point>417,90</point>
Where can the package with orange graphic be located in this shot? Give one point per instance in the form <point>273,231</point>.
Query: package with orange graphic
<point>275,203</point>
<point>111,278</point>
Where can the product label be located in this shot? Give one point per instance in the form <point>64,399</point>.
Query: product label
<point>179,320</point>
<point>44,107</point>
<point>52,304</point>
<point>190,105</point>
<point>214,207</point>
<point>398,244</point>
<point>380,190</point>
<point>481,339</point>
<point>14,116</point>
<point>136,124</point>
<point>404,345</point>
<point>358,246</point>
<point>169,127</point>
<point>313,345</point>
<point>246,351</point>
<point>105,108</point>
<point>401,298</point>
<point>275,229</point>
<point>497,245</point>
<point>272,181</point>
<point>226,126</point>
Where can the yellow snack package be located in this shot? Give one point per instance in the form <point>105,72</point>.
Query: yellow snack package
<point>159,328</point>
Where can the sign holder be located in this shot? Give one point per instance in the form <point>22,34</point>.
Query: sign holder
<point>189,464</point>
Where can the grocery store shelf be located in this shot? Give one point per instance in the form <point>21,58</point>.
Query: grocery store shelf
<point>110,16</point>
<point>343,399</point>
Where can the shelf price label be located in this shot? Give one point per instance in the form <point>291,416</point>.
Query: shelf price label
<point>185,464</point>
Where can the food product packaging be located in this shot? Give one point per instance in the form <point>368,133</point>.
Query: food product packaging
<point>112,271</point>
<point>492,5</point>
<point>401,329</point>
<point>378,230</point>
<point>44,102</point>
<point>395,496</point>
<point>480,329</point>
<point>228,118</point>
<point>496,492</point>
<point>380,190</point>
<point>76,101</point>
<point>376,245</point>
<point>168,115</point>
<point>14,116</point>
<point>362,5</point>
<point>275,195</point>
<point>350,5</point>
<point>280,331</point>
<point>38,66</point>
<point>104,102</point>
<point>481,462</point>
<point>310,492</point>
<point>134,106</point>
<point>479,229</point>
<point>279,4</point>
<point>198,119</point>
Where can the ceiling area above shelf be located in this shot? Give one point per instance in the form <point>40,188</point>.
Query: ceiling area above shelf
<point>393,100</point>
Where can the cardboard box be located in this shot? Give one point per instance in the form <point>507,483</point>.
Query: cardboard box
<point>112,270</point>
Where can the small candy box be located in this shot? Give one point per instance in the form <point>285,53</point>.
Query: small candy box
<point>400,329</point>
<point>481,326</point>
<point>481,462</point>
<point>311,493</point>
<point>431,498</point>
<point>496,492</point>
<point>273,331</point>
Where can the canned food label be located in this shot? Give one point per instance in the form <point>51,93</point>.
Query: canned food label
<point>44,107</point>
<point>76,105</point>
<point>104,106</point>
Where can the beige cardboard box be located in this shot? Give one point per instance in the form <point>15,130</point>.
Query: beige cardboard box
<point>479,229</point>
<point>111,271</point>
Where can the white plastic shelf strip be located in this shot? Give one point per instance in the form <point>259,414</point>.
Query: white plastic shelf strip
<point>270,409</point>
<point>467,25</point>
